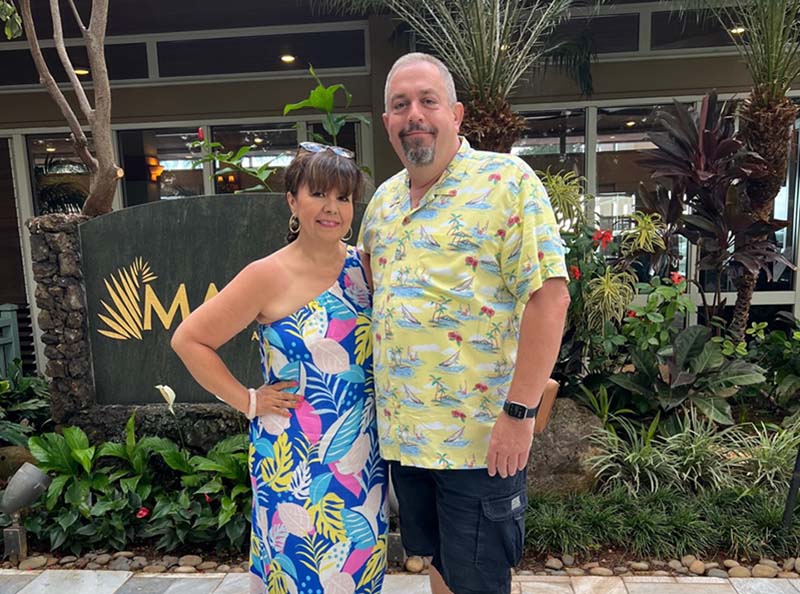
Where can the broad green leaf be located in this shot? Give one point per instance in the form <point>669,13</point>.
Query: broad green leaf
<point>689,343</point>
<point>709,358</point>
<point>628,381</point>
<point>716,409</point>
<point>85,457</point>
<point>55,489</point>
<point>115,450</point>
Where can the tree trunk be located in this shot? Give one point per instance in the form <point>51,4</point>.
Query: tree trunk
<point>491,125</point>
<point>766,128</point>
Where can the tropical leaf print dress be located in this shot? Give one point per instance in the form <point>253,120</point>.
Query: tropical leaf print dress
<point>319,485</point>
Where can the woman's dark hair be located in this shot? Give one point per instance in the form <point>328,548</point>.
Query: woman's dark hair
<point>321,172</point>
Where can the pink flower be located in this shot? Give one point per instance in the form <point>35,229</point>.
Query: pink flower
<point>501,232</point>
<point>142,513</point>
<point>487,311</point>
<point>631,313</point>
<point>470,261</point>
<point>208,498</point>
<point>495,177</point>
<point>455,336</point>
<point>481,387</point>
<point>513,220</point>
<point>201,135</point>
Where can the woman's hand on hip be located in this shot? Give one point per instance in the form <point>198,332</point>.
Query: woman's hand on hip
<point>270,398</point>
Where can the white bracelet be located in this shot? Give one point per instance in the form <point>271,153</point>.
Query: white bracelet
<point>251,410</point>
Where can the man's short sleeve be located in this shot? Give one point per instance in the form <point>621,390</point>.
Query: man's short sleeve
<point>367,229</point>
<point>532,249</point>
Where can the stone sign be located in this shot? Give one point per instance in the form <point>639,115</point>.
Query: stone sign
<point>145,268</point>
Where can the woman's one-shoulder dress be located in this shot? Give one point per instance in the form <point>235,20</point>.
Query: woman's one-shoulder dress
<point>319,485</point>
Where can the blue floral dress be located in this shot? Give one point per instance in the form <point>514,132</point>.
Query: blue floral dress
<point>319,485</point>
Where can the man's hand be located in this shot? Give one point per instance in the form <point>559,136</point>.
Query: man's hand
<point>509,445</point>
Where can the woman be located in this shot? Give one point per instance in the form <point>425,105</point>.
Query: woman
<point>319,485</point>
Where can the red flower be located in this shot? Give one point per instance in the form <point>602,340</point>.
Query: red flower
<point>455,336</point>
<point>208,498</point>
<point>540,255</point>
<point>513,220</point>
<point>481,387</point>
<point>677,278</point>
<point>488,311</point>
<point>470,261</point>
<point>494,177</point>
<point>382,261</point>
<point>457,414</point>
<point>501,232</point>
<point>142,513</point>
<point>575,272</point>
<point>201,135</point>
<point>378,336</point>
<point>603,237</point>
<point>631,313</point>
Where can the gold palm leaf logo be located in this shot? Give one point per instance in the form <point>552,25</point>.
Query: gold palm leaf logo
<point>124,319</point>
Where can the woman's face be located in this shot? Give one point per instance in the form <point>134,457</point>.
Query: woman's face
<point>324,215</point>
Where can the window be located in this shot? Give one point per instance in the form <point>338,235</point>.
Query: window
<point>554,140</point>
<point>59,179</point>
<point>158,165</point>
<point>262,53</point>
<point>671,31</point>
<point>275,144</point>
<point>608,34</point>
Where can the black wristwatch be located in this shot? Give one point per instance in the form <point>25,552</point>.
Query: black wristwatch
<point>516,410</point>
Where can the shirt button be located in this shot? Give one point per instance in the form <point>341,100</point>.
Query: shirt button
<point>406,220</point>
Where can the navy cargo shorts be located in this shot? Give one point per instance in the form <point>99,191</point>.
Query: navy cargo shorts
<point>472,524</point>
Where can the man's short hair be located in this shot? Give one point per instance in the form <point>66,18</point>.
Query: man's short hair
<point>416,57</point>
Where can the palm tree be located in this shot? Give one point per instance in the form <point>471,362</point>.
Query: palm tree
<point>488,45</point>
<point>770,47</point>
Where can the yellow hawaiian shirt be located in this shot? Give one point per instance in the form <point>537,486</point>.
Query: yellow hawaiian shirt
<point>451,280</point>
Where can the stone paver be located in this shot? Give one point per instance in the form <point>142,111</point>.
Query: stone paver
<point>546,587</point>
<point>679,588</point>
<point>194,586</point>
<point>763,586</point>
<point>406,584</point>
<point>234,583</point>
<point>653,579</point>
<point>598,585</point>
<point>74,581</point>
<point>13,583</point>
<point>144,584</point>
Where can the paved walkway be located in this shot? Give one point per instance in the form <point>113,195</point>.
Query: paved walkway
<point>124,582</point>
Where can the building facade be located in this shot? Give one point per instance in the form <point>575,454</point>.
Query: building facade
<point>181,67</point>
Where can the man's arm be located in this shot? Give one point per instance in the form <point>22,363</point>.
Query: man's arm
<point>541,329</point>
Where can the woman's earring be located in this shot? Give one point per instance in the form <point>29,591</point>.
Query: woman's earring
<point>348,235</point>
<point>294,224</point>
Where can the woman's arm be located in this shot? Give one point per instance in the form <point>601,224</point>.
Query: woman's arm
<point>216,322</point>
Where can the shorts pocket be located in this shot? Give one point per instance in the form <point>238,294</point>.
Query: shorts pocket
<point>501,529</point>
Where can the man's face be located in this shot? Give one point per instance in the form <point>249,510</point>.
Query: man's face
<point>422,125</point>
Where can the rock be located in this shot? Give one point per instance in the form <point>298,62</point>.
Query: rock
<point>590,565</point>
<point>52,561</point>
<point>711,565</point>
<point>559,458</point>
<point>769,562</point>
<point>93,566</point>
<point>639,566</point>
<point>675,564</point>
<point>620,569</point>
<point>729,563</point>
<point>574,571</point>
<point>238,569</point>
<point>120,564</point>
<point>764,571</point>
<point>525,572</point>
<point>11,458</point>
<point>568,560</point>
<point>207,566</point>
<point>788,574</point>
<point>697,567</point>
<point>687,560</point>
<point>185,569</point>
<point>154,569</point>
<point>169,560</point>
<point>789,564</point>
<point>190,561</point>
<point>224,568</point>
<point>716,572</point>
<point>660,573</point>
<point>36,562</point>
<point>138,563</point>
<point>126,554</point>
<point>657,563</point>
<point>81,563</point>
<point>553,563</point>
<point>67,559</point>
<point>682,570</point>
<point>103,559</point>
<point>603,571</point>
<point>415,564</point>
<point>555,572</point>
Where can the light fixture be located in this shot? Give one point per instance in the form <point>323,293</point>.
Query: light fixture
<point>287,58</point>
<point>737,30</point>
<point>630,124</point>
<point>156,168</point>
<point>258,140</point>
<point>231,179</point>
<point>50,149</point>
<point>24,488</point>
<point>81,71</point>
<point>504,47</point>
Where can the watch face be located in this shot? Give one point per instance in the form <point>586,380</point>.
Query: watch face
<point>515,410</point>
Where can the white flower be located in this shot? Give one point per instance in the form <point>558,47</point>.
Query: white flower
<point>167,394</point>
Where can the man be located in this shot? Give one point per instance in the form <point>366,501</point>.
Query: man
<point>469,277</point>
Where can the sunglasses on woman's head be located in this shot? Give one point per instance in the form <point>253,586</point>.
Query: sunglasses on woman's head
<point>318,147</point>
